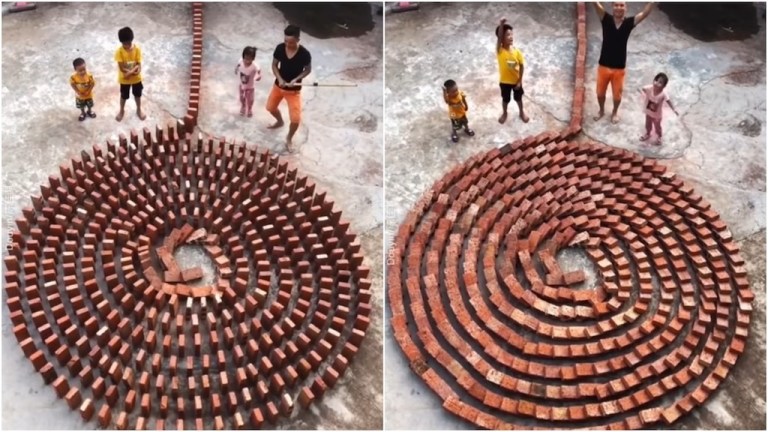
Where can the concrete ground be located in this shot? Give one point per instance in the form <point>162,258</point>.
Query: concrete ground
<point>717,145</point>
<point>339,145</point>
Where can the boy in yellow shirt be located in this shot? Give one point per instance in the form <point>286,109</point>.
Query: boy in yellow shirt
<point>128,58</point>
<point>82,83</point>
<point>511,66</point>
<point>457,109</point>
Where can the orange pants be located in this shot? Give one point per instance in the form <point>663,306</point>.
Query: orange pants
<point>292,97</point>
<point>607,75</point>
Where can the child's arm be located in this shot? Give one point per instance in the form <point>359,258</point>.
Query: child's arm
<point>74,87</point>
<point>237,68</point>
<point>258,74</point>
<point>520,81</point>
<point>445,95</point>
<point>500,33</point>
<point>464,101</point>
<point>669,102</point>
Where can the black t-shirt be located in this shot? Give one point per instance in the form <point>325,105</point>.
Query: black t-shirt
<point>613,53</point>
<point>290,68</point>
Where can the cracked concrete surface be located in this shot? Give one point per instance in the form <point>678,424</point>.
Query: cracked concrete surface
<point>717,144</point>
<point>339,146</point>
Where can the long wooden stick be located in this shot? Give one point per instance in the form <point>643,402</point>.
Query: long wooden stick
<point>317,84</point>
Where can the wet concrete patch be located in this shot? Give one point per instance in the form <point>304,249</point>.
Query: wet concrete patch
<point>710,22</point>
<point>329,20</point>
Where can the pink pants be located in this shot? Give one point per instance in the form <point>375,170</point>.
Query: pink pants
<point>652,122</point>
<point>246,98</point>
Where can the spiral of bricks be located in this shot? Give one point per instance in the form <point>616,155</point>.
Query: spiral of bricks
<point>508,339</point>
<point>107,316</point>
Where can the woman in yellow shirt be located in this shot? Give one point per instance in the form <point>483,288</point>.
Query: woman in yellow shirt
<point>511,67</point>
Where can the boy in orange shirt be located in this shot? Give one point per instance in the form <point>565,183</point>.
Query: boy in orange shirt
<point>82,83</point>
<point>128,58</point>
<point>457,109</point>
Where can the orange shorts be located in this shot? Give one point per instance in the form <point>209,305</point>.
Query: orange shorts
<point>614,76</point>
<point>292,97</point>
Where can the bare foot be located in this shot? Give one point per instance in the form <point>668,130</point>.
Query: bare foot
<point>289,145</point>
<point>119,116</point>
<point>645,137</point>
<point>614,118</point>
<point>658,142</point>
<point>275,125</point>
<point>524,118</point>
<point>599,115</point>
<point>141,115</point>
<point>503,118</point>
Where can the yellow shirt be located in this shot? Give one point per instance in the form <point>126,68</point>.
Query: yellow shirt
<point>84,85</point>
<point>510,62</point>
<point>131,58</point>
<point>456,106</point>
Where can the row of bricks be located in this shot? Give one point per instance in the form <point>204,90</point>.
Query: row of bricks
<point>243,382</point>
<point>339,363</point>
<point>190,119</point>
<point>159,147</point>
<point>556,392</point>
<point>577,108</point>
<point>270,412</point>
<point>127,301</point>
<point>565,332</point>
<point>54,240</point>
<point>702,270</point>
<point>433,260</point>
<point>322,314</point>
<point>344,298</point>
<point>398,329</point>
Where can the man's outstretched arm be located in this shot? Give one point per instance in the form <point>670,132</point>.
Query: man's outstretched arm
<point>599,9</point>
<point>644,14</point>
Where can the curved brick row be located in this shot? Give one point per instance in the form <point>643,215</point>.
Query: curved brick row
<point>124,334</point>
<point>190,120</point>
<point>509,339</point>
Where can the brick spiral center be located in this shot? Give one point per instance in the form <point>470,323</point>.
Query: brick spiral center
<point>639,330</point>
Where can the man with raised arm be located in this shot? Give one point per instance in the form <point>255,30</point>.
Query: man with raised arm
<point>613,53</point>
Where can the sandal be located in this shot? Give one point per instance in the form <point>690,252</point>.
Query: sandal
<point>454,137</point>
<point>469,132</point>
<point>91,114</point>
<point>82,117</point>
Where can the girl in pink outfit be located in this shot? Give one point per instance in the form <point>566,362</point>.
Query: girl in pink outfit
<point>249,72</point>
<point>655,96</point>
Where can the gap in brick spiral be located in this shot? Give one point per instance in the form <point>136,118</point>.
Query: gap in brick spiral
<point>574,259</point>
<point>193,256</point>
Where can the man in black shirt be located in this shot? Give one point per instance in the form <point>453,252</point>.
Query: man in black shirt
<point>291,63</point>
<point>613,53</point>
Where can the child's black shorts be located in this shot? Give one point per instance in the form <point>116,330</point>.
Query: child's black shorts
<point>459,123</point>
<point>508,89</point>
<point>126,88</point>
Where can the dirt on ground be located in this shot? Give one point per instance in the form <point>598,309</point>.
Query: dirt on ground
<point>329,20</point>
<point>710,22</point>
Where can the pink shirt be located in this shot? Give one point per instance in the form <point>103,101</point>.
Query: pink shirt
<point>654,103</point>
<point>248,75</point>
